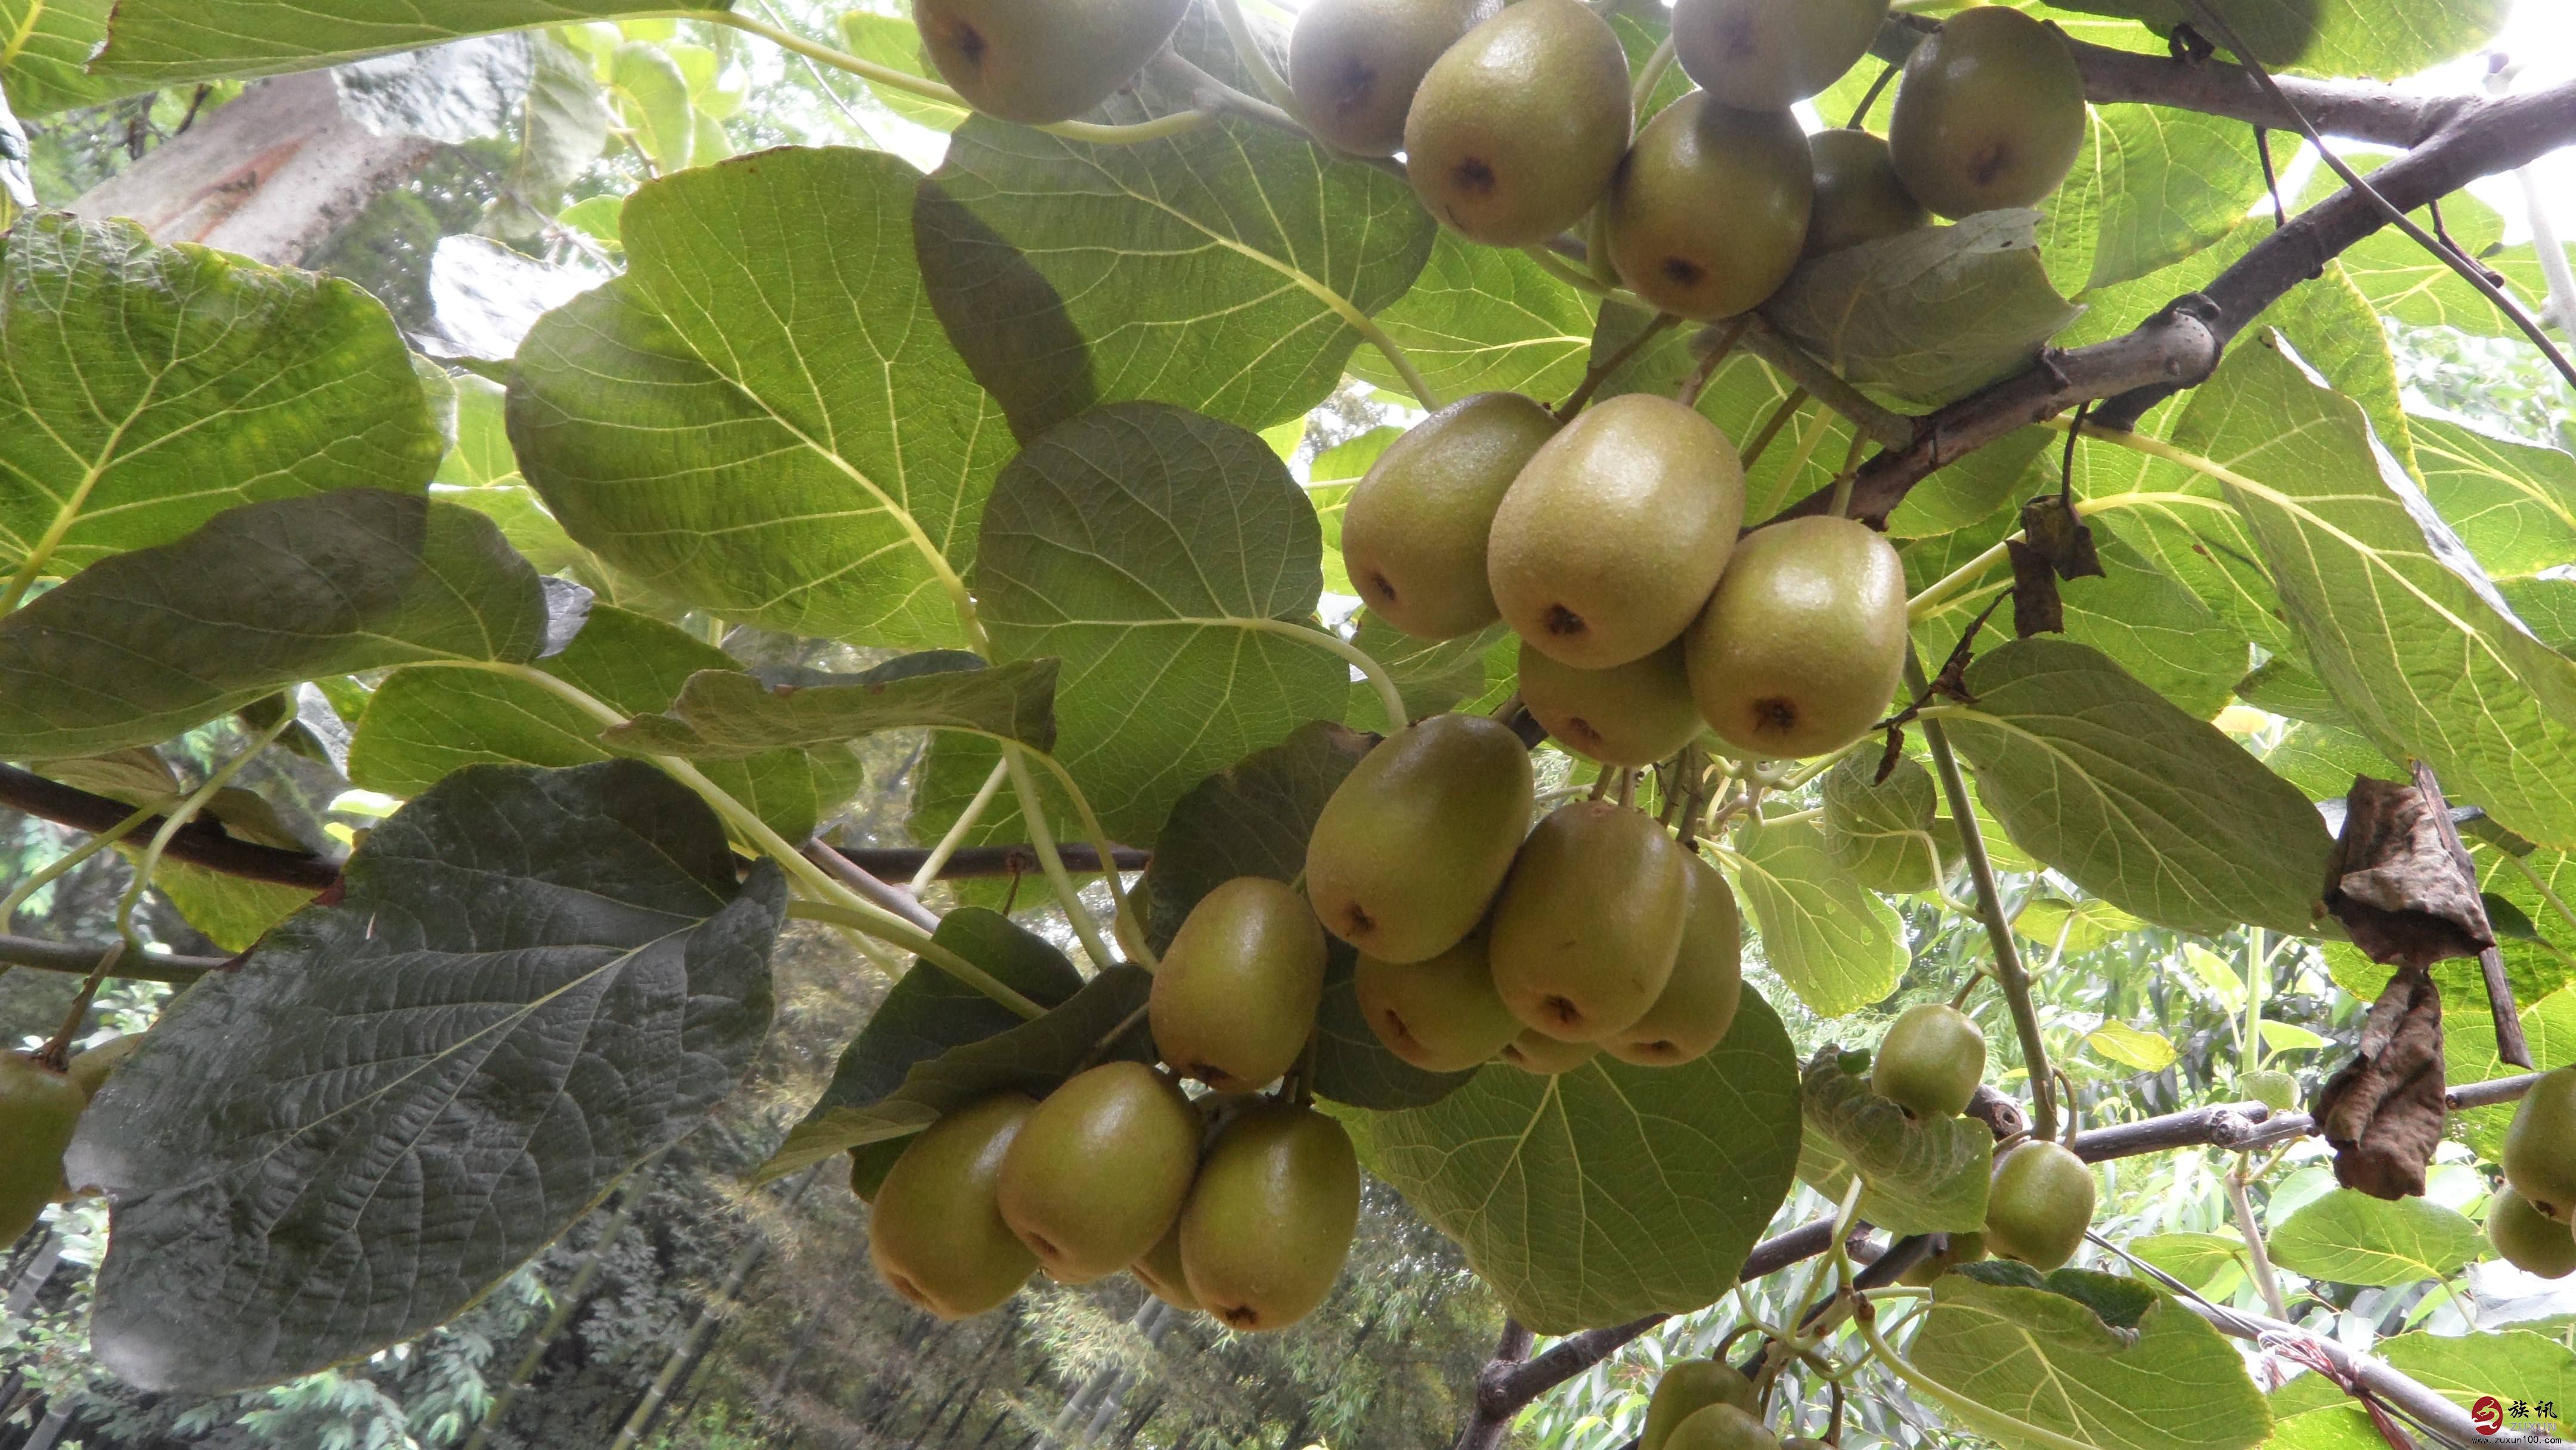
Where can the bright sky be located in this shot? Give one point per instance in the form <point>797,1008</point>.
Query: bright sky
<point>2540,38</point>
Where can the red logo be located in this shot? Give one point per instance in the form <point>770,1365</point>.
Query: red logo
<point>2487,1414</point>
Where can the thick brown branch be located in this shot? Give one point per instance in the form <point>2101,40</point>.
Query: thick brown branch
<point>1507,1386</point>
<point>2181,345</point>
<point>205,843</point>
<point>2357,109</point>
<point>201,842</point>
<point>46,956</point>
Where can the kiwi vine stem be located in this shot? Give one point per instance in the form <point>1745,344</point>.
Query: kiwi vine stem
<point>1884,427</point>
<point>2009,973</point>
<point>1247,49</point>
<point>2441,247</point>
<point>2180,346</point>
<point>1511,1381</point>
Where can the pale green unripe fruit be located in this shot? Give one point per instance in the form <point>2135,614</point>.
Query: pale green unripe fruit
<point>1536,1053</point>
<point>1041,61</point>
<point>1161,1274</point>
<point>2039,1205</point>
<point>1097,1174</point>
<point>2540,1145</point>
<point>935,1234</point>
<point>1930,1062</point>
<point>1413,844</point>
<point>1415,529</point>
<point>1270,1219</point>
<point>1632,714</point>
<point>1990,113</point>
<point>1587,927</point>
<point>1688,1388</point>
<point>2529,1239</point>
<point>1801,647</point>
<point>1355,64</point>
<point>39,1108</point>
<point>1441,1014</point>
<point>1699,1000</point>
<point>1611,539</point>
<point>1516,129</point>
<point>1766,54</point>
<point>1708,213</point>
<point>1234,999</point>
<point>1858,196</point>
<point>1720,1427</point>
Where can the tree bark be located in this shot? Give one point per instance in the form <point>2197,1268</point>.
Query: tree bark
<point>270,176</point>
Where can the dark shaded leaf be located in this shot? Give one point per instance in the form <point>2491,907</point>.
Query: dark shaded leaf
<point>141,646</point>
<point>532,981</point>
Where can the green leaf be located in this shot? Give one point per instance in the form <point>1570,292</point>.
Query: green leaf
<point>143,645</point>
<point>1245,252</point>
<point>2335,37</point>
<point>653,98</point>
<point>470,1081</point>
<point>894,43</point>
<point>2415,287</point>
<point>1833,940</point>
<point>2286,1037</point>
<point>1960,495</point>
<point>2132,1047</point>
<point>1611,1191</point>
<point>2197,1259</point>
<point>710,423</point>
<point>2134,612</point>
<point>157,43</point>
<point>2399,624</point>
<point>925,1014</point>
<point>2043,1358</point>
<point>2512,1364</point>
<point>2513,504</point>
<point>1931,315</point>
<point>422,725</point>
<point>1252,819</point>
<point>231,912</point>
<point>725,714</point>
<point>2286,686</point>
<point>1925,1175</point>
<point>1103,1020</point>
<point>46,69</point>
<point>2086,925</point>
<point>145,389</point>
<point>2321,760</point>
<point>2349,1237</point>
<point>2469,1055</point>
<point>1882,833</point>
<point>2172,182</point>
<point>1149,548</point>
<point>2135,801</point>
<point>1481,320</point>
<point>1470,673</point>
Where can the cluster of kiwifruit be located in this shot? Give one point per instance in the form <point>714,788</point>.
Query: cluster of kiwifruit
<point>1516,121</point>
<point>2532,1218</point>
<point>2040,1199</point>
<point>40,1106</point>
<point>1480,936</point>
<point>1708,1404</point>
<point>1237,1204</point>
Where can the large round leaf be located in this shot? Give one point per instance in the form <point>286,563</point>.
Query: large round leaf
<point>1609,1192</point>
<point>533,981</point>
